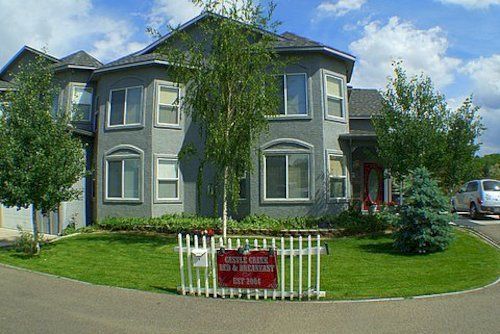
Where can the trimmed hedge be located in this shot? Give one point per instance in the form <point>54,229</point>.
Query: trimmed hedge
<point>349,222</point>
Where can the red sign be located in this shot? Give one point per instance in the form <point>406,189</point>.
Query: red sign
<point>253,270</point>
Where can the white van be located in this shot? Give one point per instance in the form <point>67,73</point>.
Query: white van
<point>479,197</point>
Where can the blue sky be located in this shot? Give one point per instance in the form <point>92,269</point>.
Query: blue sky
<point>456,42</point>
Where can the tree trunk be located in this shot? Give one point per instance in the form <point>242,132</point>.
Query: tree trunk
<point>224,204</point>
<point>35,230</point>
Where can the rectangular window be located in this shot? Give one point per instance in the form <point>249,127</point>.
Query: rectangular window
<point>243,188</point>
<point>123,179</point>
<point>167,179</point>
<point>287,176</point>
<point>125,107</point>
<point>168,105</point>
<point>81,103</point>
<point>294,100</point>
<point>334,96</point>
<point>337,176</point>
<point>55,105</point>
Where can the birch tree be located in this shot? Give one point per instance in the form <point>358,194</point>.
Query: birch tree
<point>230,70</point>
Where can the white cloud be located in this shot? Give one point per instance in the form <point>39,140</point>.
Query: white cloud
<point>484,73</point>
<point>171,12</point>
<point>421,51</point>
<point>472,4</point>
<point>63,27</point>
<point>338,8</point>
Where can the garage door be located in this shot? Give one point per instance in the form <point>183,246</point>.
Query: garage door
<point>12,217</point>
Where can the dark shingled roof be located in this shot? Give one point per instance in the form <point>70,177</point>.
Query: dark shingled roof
<point>364,102</point>
<point>80,58</point>
<point>132,59</point>
<point>5,85</point>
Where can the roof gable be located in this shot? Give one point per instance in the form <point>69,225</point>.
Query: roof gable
<point>25,51</point>
<point>79,59</point>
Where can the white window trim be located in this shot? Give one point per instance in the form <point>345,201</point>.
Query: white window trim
<point>325,97</point>
<point>158,104</point>
<point>122,160</point>
<point>285,98</point>
<point>109,156</point>
<point>125,125</point>
<point>337,155</point>
<point>73,85</point>
<point>157,179</point>
<point>287,198</point>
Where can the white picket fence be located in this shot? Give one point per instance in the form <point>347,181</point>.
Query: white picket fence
<point>203,281</point>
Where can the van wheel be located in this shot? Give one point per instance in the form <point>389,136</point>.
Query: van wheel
<point>473,213</point>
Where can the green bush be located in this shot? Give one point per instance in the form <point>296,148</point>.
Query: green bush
<point>423,224</point>
<point>348,222</point>
<point>25,243</point>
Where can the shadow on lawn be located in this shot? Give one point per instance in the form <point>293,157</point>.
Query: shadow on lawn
<point>131,238</point>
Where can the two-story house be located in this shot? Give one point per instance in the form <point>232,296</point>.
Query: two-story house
<point>317,155</point>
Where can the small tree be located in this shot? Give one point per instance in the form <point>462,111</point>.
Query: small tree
<point>231,87</point>
<point>417,129</point>
<point>423,224</point>
<point>40,159</point>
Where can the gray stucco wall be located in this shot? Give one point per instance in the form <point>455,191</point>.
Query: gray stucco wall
<point>316,130</point>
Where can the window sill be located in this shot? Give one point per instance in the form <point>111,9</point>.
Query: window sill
<point>168,201</point>
<point>289,117</point>
<point>122,201</point>
<point>287,201</point>
<point>338,200</point>
<point>168,126</point>
<point>336,119</point>
<point>124,127</point>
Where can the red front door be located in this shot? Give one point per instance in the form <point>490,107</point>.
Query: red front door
<point>373,189</point>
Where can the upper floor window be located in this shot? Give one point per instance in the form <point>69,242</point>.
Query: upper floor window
<point>334,97</point>
<point>125,107</point>
<point>168,105</point>
<point>337,176</point>
<point>294,98</point>
<point>81,103</point>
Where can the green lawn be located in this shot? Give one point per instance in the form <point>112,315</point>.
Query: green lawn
<point>356,268</point>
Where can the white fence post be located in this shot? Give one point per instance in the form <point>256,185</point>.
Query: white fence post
<point>181,265</point>
<point>214,266</point>
<point>230,246</point>
<point>221,244</point>
<point>188,260</point>
<point>206,268</point>
<point>198,280</point>
<point>318,268</point>
<point>309,256</point>
<point>291,267</point>
<point>264,246</point>
<point>282,282</point>
<point>300,267</point>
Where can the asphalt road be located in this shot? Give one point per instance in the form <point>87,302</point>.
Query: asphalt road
<point>488,225</point>
<point>37,303</point>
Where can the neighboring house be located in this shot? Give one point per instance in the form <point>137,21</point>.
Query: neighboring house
<point>73,74</point>
<point>318,154</point>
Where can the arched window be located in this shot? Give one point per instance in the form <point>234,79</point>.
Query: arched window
<point>123,173</point>
<point>287,170</point>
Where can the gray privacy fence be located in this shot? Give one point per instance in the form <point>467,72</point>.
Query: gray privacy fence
<point>298,264</point>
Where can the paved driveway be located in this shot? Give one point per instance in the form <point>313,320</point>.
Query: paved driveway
<point>36,303</point>
<point>489,225</point>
